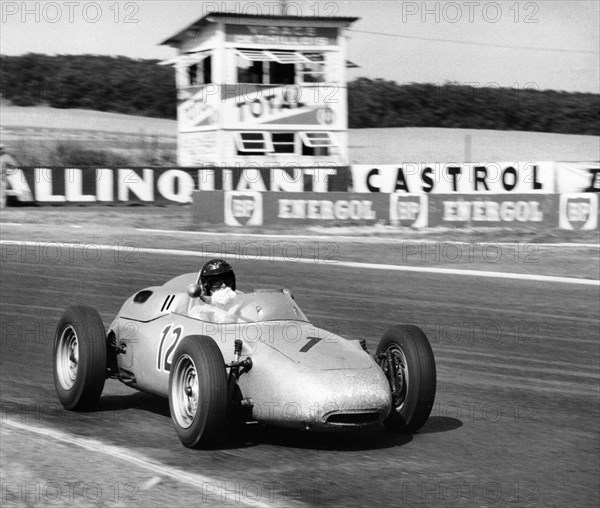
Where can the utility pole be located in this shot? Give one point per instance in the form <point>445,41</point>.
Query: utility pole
<point>283,7</point>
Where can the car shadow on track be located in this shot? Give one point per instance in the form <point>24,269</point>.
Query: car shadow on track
<point>137,400</point>
<point>250,435</point>
<point>378,437</point>
<point>437,424</point>
<point>350,440</point>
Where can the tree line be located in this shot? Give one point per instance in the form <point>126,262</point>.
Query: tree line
<point>103,83</point>
<point>141,87</point>
<point>380,103</point>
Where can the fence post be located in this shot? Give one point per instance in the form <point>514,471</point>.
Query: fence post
<point>468,148</point>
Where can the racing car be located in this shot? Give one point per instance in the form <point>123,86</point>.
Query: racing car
<point>258,358</point>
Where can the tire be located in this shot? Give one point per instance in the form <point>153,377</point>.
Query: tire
<point>198,391</point>
<point>79,358</point>
<point>415,393</point>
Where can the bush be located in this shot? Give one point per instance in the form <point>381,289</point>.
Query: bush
<point>141,87</point>
<point>379,103</point>
<point>104,83</point>
<point>68,153</point>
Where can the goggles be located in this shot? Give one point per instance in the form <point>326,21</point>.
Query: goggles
<point>215,282</point>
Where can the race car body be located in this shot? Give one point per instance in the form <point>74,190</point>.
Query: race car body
<point>256,357</point>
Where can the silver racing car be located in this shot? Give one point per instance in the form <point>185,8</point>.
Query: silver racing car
<point>256,358</point>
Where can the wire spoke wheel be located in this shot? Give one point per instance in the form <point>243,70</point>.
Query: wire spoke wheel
<point>396,369</point>
<point>406,358</point>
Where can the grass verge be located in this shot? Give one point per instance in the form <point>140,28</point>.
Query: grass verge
<point>179,217</point>
<point>76,153</point>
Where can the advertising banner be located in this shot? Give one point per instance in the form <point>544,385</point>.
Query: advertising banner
<point>196,148</point>
<point>578,211</point>
<point>60,185</point>
<point>330,208</point>
<point>251,208</point>
<point>251,33</point>
<point>242,208</point>
<point>577,177</point>
<point>409,210</point>
<point>448,178</point>
<point>246,106</point>
<point>237,208</point>
<point>494,210</point>
<point>197,108</point>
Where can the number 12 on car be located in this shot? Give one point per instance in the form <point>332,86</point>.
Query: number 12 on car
<point>165,352</point>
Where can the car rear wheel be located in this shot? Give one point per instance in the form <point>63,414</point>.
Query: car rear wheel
<point>79,358</point>
<point>198,391</point>
<point>405,355</point>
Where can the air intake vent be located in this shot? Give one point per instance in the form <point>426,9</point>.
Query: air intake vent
<point>353,418</point>
<point>142,296</point>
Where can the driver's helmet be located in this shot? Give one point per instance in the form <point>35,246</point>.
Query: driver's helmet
<point>215,274</point>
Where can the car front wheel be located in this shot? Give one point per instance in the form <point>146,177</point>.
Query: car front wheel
<point>405,355</point>
<point>198,391</point>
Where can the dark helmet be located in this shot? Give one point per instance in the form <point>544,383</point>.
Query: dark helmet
<point>214,274</point>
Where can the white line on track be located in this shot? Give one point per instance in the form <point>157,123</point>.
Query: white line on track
<point>345,238</point>
<point>345,264</point>
<point>358,239</point>
<point>206,484</point>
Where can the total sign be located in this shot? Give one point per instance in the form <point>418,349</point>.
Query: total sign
<point>197,109</point>
<point>247,105</point>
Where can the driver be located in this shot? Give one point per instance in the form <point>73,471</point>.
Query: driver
<point>217,281</point>
<point>217,290</point>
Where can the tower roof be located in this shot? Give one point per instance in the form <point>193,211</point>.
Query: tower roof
<point>252,19</point>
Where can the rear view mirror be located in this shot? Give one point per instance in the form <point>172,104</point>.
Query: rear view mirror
<point>194,290</point>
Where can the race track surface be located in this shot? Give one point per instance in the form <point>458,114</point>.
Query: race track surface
<point>516,418</point>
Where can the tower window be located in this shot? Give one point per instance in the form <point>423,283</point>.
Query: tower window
<point>254,143</point>
<point>284,142</point>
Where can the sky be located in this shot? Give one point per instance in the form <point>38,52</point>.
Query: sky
<point>520,44</point>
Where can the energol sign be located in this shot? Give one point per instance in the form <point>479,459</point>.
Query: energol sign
<point>323,209</point>
<point>537,210</point>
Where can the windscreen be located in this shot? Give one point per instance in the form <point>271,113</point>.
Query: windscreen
<point>261,305</point>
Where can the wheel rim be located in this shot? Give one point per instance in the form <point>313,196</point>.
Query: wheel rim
<point>185,391</point>
<point>67,357</point>
<point>398,377</point>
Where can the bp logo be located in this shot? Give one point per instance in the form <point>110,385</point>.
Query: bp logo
<point>409,210</point>
<point>578,211</point>
<point>243,208</point>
